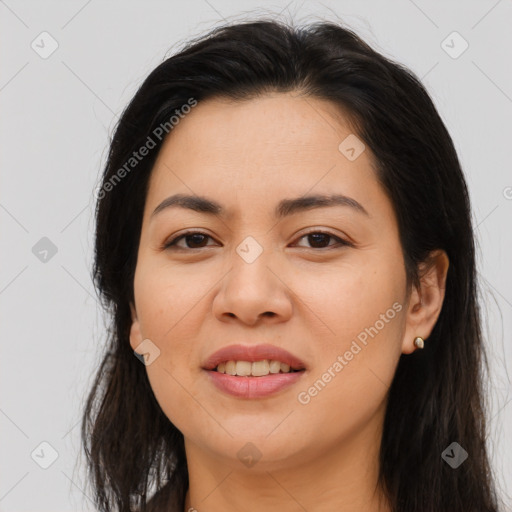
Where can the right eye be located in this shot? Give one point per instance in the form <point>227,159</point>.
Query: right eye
<point>193,240</point>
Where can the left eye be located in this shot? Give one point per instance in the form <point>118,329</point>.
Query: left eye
<point>196,240</point>
<point>319,237</point>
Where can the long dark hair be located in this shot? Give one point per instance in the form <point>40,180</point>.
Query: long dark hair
<point>436,397</point>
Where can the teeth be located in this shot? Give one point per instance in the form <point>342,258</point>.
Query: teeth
<point>231,367</point>
<point>259,368</point>
<point>275,366</point>
<point>255,369</point>
<point>243,368</point>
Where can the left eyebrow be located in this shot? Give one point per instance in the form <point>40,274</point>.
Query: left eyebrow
<point>290,206</point>
<point>285,208</point>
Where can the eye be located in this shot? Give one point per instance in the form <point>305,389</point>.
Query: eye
<point>193,240</point>
<point>320,240</point>
<point>197,240</point>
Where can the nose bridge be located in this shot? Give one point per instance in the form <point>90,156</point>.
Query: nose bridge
<point>250,266</point>
<point>251,287</point>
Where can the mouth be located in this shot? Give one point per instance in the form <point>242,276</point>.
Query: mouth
<point>253,371</point>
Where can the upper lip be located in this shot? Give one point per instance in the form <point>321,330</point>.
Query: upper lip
<point>252,353</point>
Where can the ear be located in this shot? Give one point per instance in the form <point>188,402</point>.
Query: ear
<point>135,334</point>
<point>426,300</point>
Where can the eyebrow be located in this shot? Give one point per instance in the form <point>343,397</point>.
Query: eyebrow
<point>285,207</point>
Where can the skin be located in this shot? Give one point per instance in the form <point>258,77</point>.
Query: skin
<point>249,155</point>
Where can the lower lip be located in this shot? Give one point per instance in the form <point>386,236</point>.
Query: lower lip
<point>253,387</point>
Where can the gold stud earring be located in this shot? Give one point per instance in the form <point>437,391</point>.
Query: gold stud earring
<point>419,342</point>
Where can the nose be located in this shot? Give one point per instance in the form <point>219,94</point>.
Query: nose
<point>253,291</point>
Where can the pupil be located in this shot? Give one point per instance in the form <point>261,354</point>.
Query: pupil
<point>196,239</point>
<point>318,237</point>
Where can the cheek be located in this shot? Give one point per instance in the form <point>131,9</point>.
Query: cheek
<point>361,298</point>
<point>169,309</point>
<point>343,403</point>
<point>166,299</point>
<point>352,376</point>
<point>363,307</point>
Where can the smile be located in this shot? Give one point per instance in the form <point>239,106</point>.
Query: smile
<point>254,369</point>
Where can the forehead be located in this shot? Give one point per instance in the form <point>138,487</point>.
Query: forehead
<point>276,144</point>
<point>281,121</point>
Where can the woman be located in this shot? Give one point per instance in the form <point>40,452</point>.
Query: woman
<point>284,242</point>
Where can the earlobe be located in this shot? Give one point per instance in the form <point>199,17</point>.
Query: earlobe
<point>426,301</point>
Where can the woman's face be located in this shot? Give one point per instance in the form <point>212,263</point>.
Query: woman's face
<point>260,272</point>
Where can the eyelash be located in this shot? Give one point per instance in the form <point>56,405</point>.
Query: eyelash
<point>171,244</point>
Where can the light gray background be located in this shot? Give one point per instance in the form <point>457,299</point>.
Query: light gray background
<point>56,118</point>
